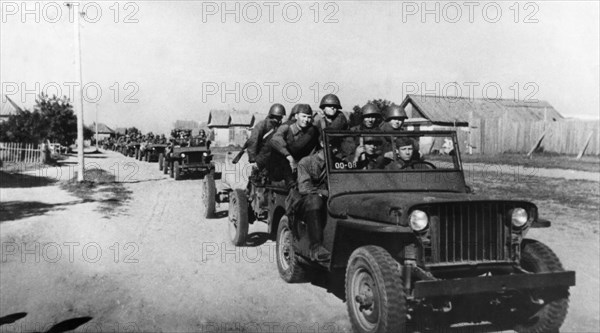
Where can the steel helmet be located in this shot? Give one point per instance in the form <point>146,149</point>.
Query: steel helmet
<point>277,110</point>
<point>370,109</point>
<point>395,111</point>
<point>330,100</point>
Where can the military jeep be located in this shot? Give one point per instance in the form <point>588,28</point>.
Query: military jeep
<point>418,250</point>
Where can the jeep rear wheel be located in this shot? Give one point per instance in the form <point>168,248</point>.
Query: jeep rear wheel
<point>238,217</point>
<point>161,158</point>
<point>374,291</point>
<point>209,193</point>
<point>176,170</point>
<point>288,264</point>
<point>549,310</point>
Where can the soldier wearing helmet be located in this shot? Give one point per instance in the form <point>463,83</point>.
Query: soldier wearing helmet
<point>333,117</point>
<point>258,143</point>
<point>370,115</point>
<point>293,142</point>
<point>394,118</point>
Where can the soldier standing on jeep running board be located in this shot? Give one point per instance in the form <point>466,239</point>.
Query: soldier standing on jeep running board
<point>313,187</point>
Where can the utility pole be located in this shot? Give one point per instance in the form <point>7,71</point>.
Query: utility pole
<point>79,111</point>
<point>96,126</point>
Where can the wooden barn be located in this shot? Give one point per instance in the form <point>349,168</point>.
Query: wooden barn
<point>473,117</point>
<point>230,128</point>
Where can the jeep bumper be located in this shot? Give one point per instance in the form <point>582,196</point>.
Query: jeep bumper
<point>492,284</point>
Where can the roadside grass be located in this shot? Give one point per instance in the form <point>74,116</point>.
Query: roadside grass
<point>100,186</point>
<point>545,160</point>
<point>578,199</point>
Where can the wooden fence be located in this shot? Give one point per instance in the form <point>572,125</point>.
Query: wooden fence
<point>498,135</point>
<point>20,152</point>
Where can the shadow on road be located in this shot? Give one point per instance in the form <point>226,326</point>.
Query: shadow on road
<point>11,318</point>
<point>68,325</point>
<point>64,326</point>
<point>16,210</point>
<point>20,180</point>
<point>257,239</point>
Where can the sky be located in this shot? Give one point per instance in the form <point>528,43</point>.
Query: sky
<point>149,63</point>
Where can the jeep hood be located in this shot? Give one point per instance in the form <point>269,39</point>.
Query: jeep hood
<point>384,207</point>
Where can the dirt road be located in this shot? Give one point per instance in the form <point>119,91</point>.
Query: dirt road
<point>152,263</point>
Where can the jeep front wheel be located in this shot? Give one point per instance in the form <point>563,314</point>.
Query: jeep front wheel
<point>374,291</point>
<point>545,310</point>
<point>238,217</point>
<point>290,268</point>
<point>209,193</point>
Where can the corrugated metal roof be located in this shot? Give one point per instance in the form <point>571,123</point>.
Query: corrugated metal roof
<point>440,109</point>
<point>218,118</point>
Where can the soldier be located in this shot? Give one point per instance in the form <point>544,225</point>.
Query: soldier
<point>394,118</point>
<point>258,149</point>
<point>291,143</point>
<point>407,157</point>
<point>368,155</point>
<point>333,118</point>
<point>312,185</point>
<point>371,116</point>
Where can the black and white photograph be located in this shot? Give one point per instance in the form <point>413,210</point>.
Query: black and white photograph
<point>299,166</point>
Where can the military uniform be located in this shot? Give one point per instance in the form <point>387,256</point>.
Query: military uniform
<point>291,140</point>
<point>259,149</point>
<point>337,122</point>
<point>313,205</point>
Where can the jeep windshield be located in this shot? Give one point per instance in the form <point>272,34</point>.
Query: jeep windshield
<point>407,160</point>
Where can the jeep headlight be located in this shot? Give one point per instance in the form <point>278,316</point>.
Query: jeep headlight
<point>418,220</point>
<point>519,217</point>
<point>182,155</point>
<point>205,154</point>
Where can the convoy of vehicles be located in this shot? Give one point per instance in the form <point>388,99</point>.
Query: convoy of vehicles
<point>416,248</point>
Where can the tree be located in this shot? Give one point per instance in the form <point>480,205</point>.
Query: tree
<point>52,118</point>
<point>382,104</point>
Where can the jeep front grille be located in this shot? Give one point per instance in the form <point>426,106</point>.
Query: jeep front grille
<point>468,232</point>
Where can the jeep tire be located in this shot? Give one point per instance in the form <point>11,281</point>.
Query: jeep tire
<point>238,217</point>
<point>290,268</point>
<point>209,193</point>
<point>374,291</point>
<point>161,158</point>
<point>536,257</point>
